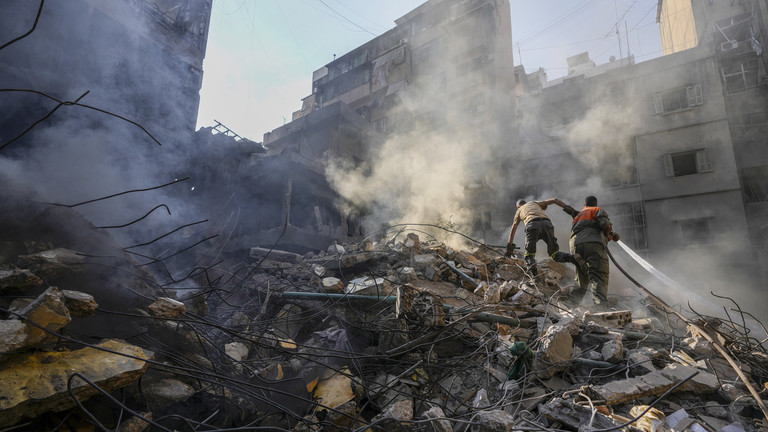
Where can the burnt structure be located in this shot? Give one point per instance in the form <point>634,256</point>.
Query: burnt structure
<point>139,59</point>
<point>444,67</point>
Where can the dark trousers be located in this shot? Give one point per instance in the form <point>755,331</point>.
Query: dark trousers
<point>542,229</point>
<point>595,276</point>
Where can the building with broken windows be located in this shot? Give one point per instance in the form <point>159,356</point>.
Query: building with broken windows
<point>673,147</point>
<point>443,73</point>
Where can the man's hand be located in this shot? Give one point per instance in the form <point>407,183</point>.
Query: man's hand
<point>614,236</point>
<point>510,250</point>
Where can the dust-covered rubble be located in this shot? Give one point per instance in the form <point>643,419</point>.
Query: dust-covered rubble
<point>403,335</point>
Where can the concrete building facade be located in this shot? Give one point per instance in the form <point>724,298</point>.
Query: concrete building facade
<point>674,147</point>
<point>445,69</point>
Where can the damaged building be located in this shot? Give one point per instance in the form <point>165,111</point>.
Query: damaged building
<point>146,64</point>
<point>678,150</point>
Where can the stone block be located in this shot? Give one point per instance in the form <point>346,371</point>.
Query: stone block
<point>332,285</point>
<point>165,307</point>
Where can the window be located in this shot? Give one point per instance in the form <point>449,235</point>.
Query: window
<point>628,220</point>
<point>687,163</point>
<point>696,231</point>
<point>740,76</point>
<point>677,100</point>
<point>754,183</point>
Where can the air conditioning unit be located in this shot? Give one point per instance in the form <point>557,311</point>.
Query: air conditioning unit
<point>729,45</point>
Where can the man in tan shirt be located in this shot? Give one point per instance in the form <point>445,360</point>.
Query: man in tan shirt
<point>538,226</point>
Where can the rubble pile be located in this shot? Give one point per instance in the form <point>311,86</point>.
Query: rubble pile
<point>403,334</point>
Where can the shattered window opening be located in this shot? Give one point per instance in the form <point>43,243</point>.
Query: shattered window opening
<point>687,163</point>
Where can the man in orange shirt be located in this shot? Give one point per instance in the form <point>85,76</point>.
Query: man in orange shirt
<point>538,226</point>
<point>590,232</point>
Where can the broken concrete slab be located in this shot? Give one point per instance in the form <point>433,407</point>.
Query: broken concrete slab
<point>493,421</point>
<point>332,285</point>
<point>49,311</point>
<point>18,279</point>
<point>611,319</point>
<point>80,304</point>
<point>53,264</point>
<point>38,383</point>
<point>13,336</point>
<point>397,415</point>
<point>165,307</point>
<point>555,351</point>
<point>166,391</point>
<point>654,384</point>
<point>438,421</point>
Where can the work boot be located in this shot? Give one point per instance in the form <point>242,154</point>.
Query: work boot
<point>579,262</point>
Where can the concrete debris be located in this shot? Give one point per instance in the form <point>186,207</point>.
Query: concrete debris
<point>398,334</point>
<point>80,304</point>
<point>438,421</point>
<point>18,279</point>
<point>165,307</point>
<point>39,382</point>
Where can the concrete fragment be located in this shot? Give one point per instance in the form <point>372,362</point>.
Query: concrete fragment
<point>492,294</point>
<point>397,415</point>
<point>611,319</point>
<point>336,249</point>
<point>13,335</point>
<point>165,307</point>
<point>406,274</point>
<point>18,279</point>
<point>368,286</point>
<point>555,350</point>
<point>640,362</point>
<point>332,285</point>
<point>79,303</point>
<point>412,242</point>
<point>481,400</point>
<point>238,351</point>
<point>654,384</point>
<point>431,273</point>
<point>48,311</point>
<point>318,270</point>
<point>37,383</point>
<point>613,351</point>
<point>167,391</point>
<point>335,390</point>
<point>342,418</point>
<point>716,410</point>
<point>493,421</point>
<point>53,264</point>
<point>287,322</point>
<point>438,421</point>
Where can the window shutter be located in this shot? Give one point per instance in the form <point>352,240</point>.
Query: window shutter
<point>658,104</point>
<point>668,167</point>
<point>703,161</point>
<point>694,95</point>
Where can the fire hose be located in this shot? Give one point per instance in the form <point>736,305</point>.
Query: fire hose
<point>661,276</point>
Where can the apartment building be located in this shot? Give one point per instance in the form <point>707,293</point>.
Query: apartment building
<point>674,147</point>
<point>446,67</point>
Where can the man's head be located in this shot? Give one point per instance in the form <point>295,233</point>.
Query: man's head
<point>520,202</point>
<point>590,201</point>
